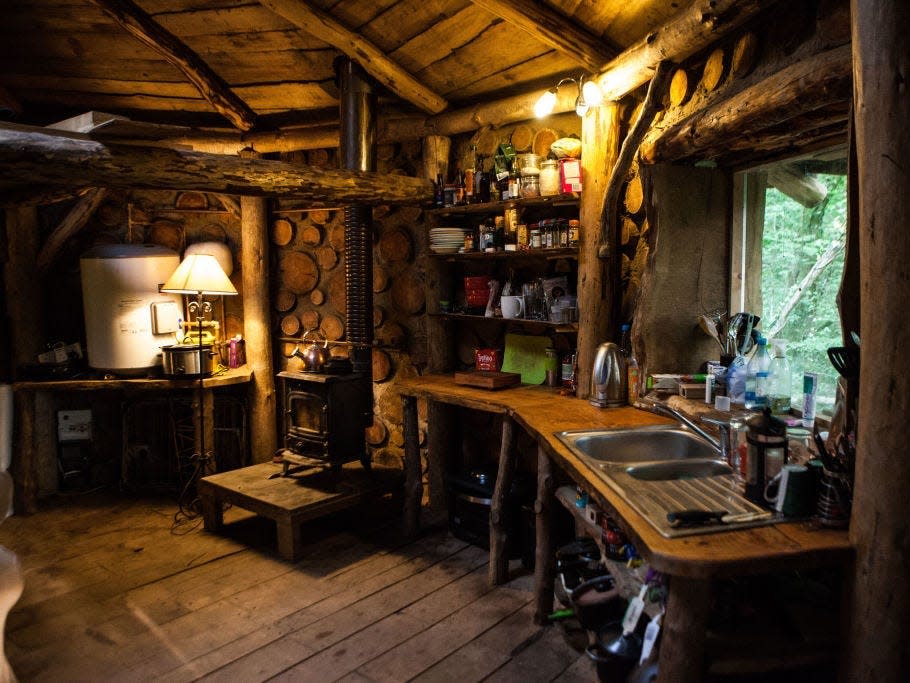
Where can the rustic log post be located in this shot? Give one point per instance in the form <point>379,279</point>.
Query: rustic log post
<point>442,439</point>
<point>436,156</point>
<point>682,647</point>
<point>544,552</point>
<point>23,302</point>
<point>880,613</point>
<point>499,523</point>
<point>600,146</point>
<point>413,487</point>
<point>254,258</point>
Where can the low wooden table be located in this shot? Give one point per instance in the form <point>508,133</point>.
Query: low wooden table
<point>292,500</point>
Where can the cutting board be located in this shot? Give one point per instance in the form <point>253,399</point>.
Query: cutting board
<point>526,355</point>
<point>487,379</point>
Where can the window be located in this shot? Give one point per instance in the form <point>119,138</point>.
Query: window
<point>788,258</point>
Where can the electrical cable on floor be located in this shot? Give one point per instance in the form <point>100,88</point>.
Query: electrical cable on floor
<point>189,512</point>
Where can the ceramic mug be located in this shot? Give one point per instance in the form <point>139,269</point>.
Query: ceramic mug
<point>795,491</point>
<point>512,306</point>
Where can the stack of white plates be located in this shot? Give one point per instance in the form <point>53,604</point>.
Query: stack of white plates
<point>446,240</point>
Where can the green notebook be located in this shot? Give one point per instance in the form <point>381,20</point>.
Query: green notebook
<point>526,355</point>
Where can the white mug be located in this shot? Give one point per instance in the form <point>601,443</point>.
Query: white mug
<point>512,306</point>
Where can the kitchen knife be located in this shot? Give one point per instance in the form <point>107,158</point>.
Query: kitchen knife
<point>679,518</point>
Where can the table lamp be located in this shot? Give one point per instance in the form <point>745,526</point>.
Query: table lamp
<point>199,274</point>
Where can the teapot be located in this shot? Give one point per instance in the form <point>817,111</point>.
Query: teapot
<point>314,357</point>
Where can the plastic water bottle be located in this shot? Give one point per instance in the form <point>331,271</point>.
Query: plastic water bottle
<point>756,395</point>
<point>779,380</point>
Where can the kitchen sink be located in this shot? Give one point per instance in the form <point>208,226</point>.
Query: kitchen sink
<point>658,469</point>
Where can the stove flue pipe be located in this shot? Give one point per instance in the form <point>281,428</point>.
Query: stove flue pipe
<point>358,153</point>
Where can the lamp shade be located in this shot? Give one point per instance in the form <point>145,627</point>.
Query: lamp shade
<point>199,274</point>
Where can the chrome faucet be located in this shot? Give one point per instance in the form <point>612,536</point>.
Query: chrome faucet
<point>722,446</point>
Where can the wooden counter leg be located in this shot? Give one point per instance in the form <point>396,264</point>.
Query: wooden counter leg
<point>499,528</point>
<point>289,538</point>
<point>442,439</point>
<point>682,645</point>
<point>25,453</point>
<point>545,553</point>
<point>212,511</point>
<point>413,487</point>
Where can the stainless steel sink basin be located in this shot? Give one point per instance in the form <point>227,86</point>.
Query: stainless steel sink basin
<point>639,445</point>
<point>664,468</point>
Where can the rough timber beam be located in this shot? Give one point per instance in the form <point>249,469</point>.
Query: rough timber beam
<point>316,22</point>
<point>552,28</point>
<point>211,86</point>
<point>70,161</point>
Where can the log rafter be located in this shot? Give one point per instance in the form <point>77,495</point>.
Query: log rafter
<point>678,38</point>
<point>553,29</point>
<point>210,85</point>
<point>385,70</point>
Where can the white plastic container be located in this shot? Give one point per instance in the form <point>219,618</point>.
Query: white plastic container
<point>549,178</point>
<point>119,285</point>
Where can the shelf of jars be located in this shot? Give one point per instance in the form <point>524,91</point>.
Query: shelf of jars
<point>522,254</point>
<point>569,199</point>
<point>528,323</point>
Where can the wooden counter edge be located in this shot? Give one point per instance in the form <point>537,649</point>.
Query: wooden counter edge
<point>542,412</point>
<point>233,376</point>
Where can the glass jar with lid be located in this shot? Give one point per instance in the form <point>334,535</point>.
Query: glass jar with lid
<point>530,186</point>
<point>549,178</point>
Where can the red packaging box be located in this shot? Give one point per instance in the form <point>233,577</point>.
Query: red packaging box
<point>487,359</point>
<point>570,175</point>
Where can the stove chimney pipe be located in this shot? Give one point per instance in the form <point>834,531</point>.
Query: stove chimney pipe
<point>358,153</point>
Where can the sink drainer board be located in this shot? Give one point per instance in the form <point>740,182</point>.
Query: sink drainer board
<point>654,499</point>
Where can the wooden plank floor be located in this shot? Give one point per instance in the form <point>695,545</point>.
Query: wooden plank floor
<point>114,592</point>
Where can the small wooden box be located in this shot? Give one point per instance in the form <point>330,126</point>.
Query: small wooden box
<point>488,379</point>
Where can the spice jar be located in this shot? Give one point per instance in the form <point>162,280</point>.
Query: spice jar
<point>530,186</point>
<point>549,178</point>
<point>535,238</point>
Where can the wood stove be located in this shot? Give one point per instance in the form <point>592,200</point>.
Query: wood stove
<point>325,416</point>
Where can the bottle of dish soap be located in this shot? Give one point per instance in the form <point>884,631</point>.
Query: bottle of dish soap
<point>779,380</point>
<point>756,395</point>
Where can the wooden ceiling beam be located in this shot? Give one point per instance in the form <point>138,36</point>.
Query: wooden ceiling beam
<point>553,29</point>
<point>36,156</point>
<point>389,73</point>
<point>210,85</point>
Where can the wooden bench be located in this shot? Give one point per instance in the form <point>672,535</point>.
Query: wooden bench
<point>292,500</point>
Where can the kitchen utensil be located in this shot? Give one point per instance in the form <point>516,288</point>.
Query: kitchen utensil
<point>314,357</point>
<point>855,337</point>
<point>680,518</point>
<point>709,327</point>
<point>845,360</point>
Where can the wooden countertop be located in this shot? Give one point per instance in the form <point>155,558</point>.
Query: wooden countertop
<point>542,411</point>
<point>234,376</point>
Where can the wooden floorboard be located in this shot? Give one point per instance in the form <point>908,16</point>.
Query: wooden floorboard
<point>114,593</point>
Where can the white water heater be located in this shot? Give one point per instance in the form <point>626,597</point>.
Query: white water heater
<point>127,320</point>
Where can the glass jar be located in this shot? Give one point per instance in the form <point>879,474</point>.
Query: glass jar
<point>549,178</point>
<point>530,186</point>
<point>535,238</point>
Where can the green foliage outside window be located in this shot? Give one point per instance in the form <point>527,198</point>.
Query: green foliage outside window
<point>796,239</point>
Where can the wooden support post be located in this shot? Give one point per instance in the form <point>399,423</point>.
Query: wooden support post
<point>254,256</point>
<point>880,613</point>
<point>544,553</point>
<point>441,440</point>
<point>499,523</point>
<point>682,647</point>
<point>413,487</point>
<point>600,146</point>
<point>23,296</point>
<point>74,221</point>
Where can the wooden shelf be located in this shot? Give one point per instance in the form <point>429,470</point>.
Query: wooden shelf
<point>542,324</point>
<point>494,207</point>
<point>527,254</point>
<point>235,376</point>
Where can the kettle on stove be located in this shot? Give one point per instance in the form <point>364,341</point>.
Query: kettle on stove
<point>314,357</point>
